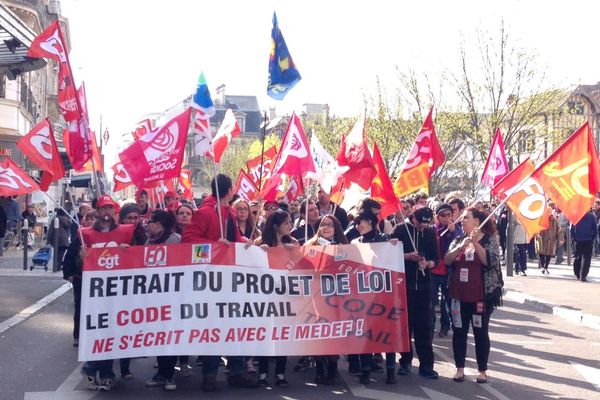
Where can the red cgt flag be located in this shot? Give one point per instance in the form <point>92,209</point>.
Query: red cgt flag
<point>355,154</point>
<point>424,158</point>
<point>496,166</point>
<point>571,175</point>
<point>245,187</point>
<point>14,181</point>
<point>40,147</point>
<point>526,198</point>
<point>294,157</point>
<point>120,177</point>
<point>229,129</point>
<point>157,155</point>
<point>382,189</point>
<point>89,165</point>
<point>254,166</point>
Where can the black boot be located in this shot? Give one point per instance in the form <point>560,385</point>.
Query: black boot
<point>391,376</point>
<point>365,378</point>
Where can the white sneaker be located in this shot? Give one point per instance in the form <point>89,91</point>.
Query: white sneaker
<point>106,384</point>
<point>170,384</point>
<point>92,383</point>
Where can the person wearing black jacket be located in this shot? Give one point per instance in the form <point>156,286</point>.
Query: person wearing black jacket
<point>416,232</point>
<point>72,271</point>
<point>3,224</point>
<point>365,223</point>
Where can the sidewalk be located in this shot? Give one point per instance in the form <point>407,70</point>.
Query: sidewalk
<point>559,292</point>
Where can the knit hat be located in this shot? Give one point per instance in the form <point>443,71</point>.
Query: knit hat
<point>441,207</point>
<point>165,218</point>
<point>128,209</point>
<point>423,215</point>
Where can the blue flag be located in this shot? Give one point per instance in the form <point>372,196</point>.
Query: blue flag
<point>283,74</point>
<point>202,99</point>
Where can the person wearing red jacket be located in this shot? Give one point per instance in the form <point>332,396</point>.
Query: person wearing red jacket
<point>205,228</point>
<point>105,232</point>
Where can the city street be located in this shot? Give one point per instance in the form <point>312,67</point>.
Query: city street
<point>536,354</point>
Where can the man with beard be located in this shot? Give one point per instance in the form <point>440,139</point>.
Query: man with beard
<point>104,233</point>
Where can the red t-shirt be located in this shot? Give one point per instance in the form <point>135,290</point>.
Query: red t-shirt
<point>122,234</point>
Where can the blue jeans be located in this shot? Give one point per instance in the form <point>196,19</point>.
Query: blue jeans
<point>521,258</point>
<point>440,283</point>
<point>102,367</point>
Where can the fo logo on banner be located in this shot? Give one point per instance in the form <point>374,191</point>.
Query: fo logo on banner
<point>155,256</point>
<point>201,254</point>
<point>108,260</point>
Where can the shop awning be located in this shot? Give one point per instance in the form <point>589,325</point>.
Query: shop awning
<point>15,39</point>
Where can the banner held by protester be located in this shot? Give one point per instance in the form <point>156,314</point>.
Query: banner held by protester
<point>212,299</point>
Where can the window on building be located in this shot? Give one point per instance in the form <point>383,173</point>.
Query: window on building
<point>241,120</point>
<point>575,107</point>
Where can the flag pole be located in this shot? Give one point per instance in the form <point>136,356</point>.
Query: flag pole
<point>307,195</point>
<point>76,215</point>
<point>216,170</point>
<point>262,150</point>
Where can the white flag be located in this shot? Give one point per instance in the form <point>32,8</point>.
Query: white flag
<point>328,170</point>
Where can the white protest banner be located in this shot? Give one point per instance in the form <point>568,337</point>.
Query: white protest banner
<point>211,299</point>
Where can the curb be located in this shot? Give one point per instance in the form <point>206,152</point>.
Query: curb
<point>574,316</point>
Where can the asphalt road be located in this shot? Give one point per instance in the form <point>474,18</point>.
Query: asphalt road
<point>534,356</point>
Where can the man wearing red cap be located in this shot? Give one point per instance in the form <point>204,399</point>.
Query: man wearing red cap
<point>104,233</point>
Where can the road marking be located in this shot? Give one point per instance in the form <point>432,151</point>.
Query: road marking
<point>592,375</point>
<point>66,391</point>
<point>32,309</point>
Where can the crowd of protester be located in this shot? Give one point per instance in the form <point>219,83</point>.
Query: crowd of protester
<point>452,261</point>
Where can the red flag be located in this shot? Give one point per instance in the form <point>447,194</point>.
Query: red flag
<point>95,156</point>
<point>355,154</point>
<point>157,155</point>
<point>40,147</point>
<point>14,181</point>
<point>185,184</point>
<point>120,177</point>
<point>76,139</point>
<point>424,158</point>
<point>294,156</point>
<point>526,198</point>
<point>571,175</point>
<point>382,189</point>
<point>496,166</point>
<point>51,44</point>
<point>143,127</point>
<point>254,165</point>
<point>245,187</point>
<point>228,130</point>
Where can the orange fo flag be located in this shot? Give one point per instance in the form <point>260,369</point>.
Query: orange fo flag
<point>424,158</point>
<point>571,175</point>
<point>95,156</point>
<point>526,198</point>
<point>382,189</point>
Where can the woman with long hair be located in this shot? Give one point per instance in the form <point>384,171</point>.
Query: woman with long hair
<point>475,288</point>
<point>276,233</point>
<point>245,220</point>
<point>329,232</point>
<point>184,214</point>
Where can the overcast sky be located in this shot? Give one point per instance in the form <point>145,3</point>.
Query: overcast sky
<point>138,57</point>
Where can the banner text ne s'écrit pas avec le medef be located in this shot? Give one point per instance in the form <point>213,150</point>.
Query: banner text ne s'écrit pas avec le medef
<point>209,299</point>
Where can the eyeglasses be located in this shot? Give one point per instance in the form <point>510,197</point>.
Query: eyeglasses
<point>271,208</point>
<point>327,225</point>
<point>242,209</point>
<point>132,217</point>
<point>445,214</point>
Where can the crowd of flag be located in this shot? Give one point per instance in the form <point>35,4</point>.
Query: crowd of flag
<point>570,176</point>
